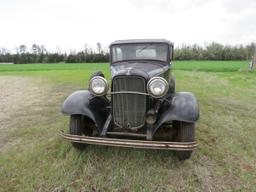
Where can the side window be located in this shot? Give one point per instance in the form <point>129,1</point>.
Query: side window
<point>171,53</point>
<point>118,54</point>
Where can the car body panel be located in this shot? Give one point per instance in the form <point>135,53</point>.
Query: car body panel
<point>183,107</point>
<point>82,102</point>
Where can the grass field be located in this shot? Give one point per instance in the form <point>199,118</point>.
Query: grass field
<point>34,158</point>
<point>179,65</point>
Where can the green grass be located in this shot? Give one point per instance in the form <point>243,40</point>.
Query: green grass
<point>50,67</point>
<point>34,158</point>
<point>214,66</point>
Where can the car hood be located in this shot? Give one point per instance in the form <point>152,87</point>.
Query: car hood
<point>145,69</point>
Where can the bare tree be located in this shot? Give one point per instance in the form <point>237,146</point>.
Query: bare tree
<point>3,51</point>
<point>85,52</point>
<point>35,49</point>
<point>43,50</point>
<point>99,48</point>
<point>22,49</point>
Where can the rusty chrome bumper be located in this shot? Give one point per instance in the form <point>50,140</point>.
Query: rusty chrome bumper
<point>181,146</point>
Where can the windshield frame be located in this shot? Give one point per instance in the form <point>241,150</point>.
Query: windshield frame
<point>141,60</point>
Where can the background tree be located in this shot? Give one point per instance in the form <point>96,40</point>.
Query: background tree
<point>39,53</point>
<point>22,49</point>
<point>99,48</point>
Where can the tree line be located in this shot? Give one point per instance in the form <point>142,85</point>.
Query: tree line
<point>39,54</point>
<point>215,51</point>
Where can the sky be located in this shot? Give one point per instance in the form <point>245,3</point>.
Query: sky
<point>74,24</point>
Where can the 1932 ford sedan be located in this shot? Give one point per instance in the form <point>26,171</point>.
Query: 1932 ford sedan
<point>139,107</point>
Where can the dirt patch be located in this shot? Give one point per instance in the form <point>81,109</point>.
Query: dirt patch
<point>19,97</point>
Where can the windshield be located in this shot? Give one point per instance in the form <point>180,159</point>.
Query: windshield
<point>143,51</point>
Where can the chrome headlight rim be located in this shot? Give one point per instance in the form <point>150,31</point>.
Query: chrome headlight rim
<point>105,82</point>
<point>164,82</point>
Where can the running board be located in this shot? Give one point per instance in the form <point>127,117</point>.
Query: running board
<point>180,146</point>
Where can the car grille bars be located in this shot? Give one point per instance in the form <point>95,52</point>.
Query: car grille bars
<point>129,109</point>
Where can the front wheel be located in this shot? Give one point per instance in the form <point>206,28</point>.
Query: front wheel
<point>80,125</point>
<point>185,133</point>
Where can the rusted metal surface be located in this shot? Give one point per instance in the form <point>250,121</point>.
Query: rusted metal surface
<point>126,134</point>
<point>181,146</point>
<point>165,133</point>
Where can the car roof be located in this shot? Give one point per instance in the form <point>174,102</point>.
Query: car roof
<point>128,41</point>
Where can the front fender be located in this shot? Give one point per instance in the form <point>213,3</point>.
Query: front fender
<point>184,107</point>
<point>84,103</point>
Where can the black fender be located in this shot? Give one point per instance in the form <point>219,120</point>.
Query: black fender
<point>172,85</point>
<point>183,107</point>
<point>82,102</point>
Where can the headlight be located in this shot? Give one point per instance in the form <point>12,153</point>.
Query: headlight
<point>98,86</point>
<point>157,87</point>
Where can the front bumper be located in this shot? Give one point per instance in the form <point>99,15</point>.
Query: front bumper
<point>180,146</point>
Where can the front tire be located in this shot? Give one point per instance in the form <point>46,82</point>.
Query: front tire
<point>185,133</point>
<point>79,125</point>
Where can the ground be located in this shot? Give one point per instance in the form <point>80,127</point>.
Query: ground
<point>34,158</point>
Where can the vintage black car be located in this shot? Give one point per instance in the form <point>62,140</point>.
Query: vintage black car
<point>139,107</point>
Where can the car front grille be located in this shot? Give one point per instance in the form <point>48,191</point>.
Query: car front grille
<point>129,108</point>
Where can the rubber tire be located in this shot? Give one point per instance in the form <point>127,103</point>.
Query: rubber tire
<point>185,133</point>
<point>78,126</point>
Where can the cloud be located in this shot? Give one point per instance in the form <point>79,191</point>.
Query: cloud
<point>239,6</point>
<point>69,24</point>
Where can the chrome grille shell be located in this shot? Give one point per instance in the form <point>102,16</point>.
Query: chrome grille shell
<point>129,109</point>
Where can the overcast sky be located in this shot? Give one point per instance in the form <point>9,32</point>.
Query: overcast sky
<point>69,24</point>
